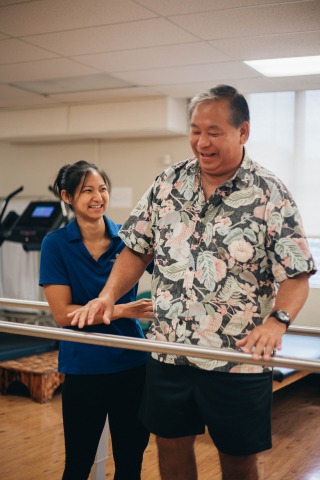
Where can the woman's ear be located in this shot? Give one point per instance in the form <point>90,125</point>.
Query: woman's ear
<point>66,197</point>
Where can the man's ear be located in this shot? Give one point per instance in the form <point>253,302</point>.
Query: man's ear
<point>66,197</point>
<point>244,132</point>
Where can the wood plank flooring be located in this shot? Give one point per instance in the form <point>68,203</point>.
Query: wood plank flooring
<point>32,445</point>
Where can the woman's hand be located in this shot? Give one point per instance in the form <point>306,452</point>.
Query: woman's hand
<point>100,311</point>
<point>97,310</point>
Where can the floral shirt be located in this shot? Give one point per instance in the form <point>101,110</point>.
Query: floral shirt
<point>217,263</point>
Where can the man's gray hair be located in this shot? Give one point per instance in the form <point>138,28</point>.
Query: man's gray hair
<point>239,110</point>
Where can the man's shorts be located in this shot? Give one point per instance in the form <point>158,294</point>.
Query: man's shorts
<point>236,407</point>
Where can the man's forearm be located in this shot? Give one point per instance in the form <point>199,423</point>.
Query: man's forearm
<point>292,295</point>
<point>127,270</point>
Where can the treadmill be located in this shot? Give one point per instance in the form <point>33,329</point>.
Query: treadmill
<point>28,229</point>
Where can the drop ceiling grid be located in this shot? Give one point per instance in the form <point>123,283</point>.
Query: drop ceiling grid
<point>259,20</point>
<point>61,15</point>
<point>168,47</point>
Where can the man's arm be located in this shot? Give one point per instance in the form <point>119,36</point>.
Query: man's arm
<point>291,297</point>
<point>126,272</point>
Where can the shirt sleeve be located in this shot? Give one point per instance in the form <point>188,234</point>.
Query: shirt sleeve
<point>52,267</point>
<point>138,230</point>
<point>286,242</point>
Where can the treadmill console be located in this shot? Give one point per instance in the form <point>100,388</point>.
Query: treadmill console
<point>36,221</point>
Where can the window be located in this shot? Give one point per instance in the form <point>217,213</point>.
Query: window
<point>285,138</point>
<point>314,244</point>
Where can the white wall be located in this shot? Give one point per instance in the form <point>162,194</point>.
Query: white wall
<point>309,315</point>
<point>129,163</point>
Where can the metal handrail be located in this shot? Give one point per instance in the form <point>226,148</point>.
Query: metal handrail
<point>13,302</point>
<point>58,333</point>
<point>155,346</point>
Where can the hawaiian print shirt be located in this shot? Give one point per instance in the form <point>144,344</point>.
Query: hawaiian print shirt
<point>217,263</point>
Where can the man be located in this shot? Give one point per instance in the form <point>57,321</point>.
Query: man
<point>231,270</point>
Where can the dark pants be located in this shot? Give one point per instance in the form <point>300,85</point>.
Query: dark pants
<point>87,400</point>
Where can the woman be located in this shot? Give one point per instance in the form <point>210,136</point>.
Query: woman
<point>76,261</point>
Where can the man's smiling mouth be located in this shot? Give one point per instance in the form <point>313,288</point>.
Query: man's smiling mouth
<point>207,155</point>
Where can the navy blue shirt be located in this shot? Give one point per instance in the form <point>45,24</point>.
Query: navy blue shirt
<point>66,261</point>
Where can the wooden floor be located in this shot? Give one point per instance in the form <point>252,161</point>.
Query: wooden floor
<point>31,439</point>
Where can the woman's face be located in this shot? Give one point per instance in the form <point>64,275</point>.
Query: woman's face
<point>91,197</point>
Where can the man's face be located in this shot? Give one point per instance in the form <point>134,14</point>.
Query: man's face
<point>217,144</point>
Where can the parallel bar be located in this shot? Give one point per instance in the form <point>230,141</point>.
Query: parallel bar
<point>303,330</point>
<point>11,302</point>
<point>160,347</point>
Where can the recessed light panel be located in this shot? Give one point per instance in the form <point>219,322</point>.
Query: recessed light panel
<point>287,67</point>
<point>73,84</point>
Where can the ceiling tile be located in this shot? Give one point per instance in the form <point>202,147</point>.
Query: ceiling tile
<point>115,94</point>
<point>255,85</point>
<point>271,46</point>
<point>156,57</point>
<point>83,83</point>
<point>304,82</point>
<point>14,51</point>
<point>12,92</point>
<point>199,73</point>
<point>14,98</point>
<point>244,85</point>
<point>113,37</point>
<point>184,90</point>
<point>262,20</point>
<point>53,16</point>
<point>42,70</point>
<point>5,3</point>
<point>178,7</point>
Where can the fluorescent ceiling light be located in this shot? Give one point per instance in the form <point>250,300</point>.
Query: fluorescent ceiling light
<point>287,67</point>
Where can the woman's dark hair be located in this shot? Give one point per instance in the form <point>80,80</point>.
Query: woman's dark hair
<point>239,110</point>
<point>70,176</point>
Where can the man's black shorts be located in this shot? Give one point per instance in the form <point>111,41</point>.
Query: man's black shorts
<point>236,407</point>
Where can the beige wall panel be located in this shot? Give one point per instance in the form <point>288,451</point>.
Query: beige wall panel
<point>135,163</point>
<point>129,163</point>
<point>35,165</point>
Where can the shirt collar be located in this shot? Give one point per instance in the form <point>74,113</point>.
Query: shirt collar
<point>244,171</point>
<point>73,230</point>
<point>242,174</point>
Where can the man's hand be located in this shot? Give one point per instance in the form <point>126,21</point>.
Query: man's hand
<point>86,315</point>
<point>139,309</point>
<point>263,340</point>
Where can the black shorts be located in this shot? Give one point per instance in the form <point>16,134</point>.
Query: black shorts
<point>236,407</point>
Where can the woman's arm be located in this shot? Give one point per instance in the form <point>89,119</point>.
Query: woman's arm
<point>127,270</point>
<point>60,302</point>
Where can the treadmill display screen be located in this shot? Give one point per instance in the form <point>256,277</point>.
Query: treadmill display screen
<point>42,211</point>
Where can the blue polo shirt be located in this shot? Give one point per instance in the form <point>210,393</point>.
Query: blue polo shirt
<point>66,261</point>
